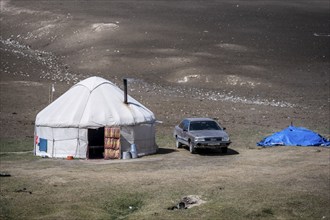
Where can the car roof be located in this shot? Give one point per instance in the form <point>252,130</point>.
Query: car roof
<point>199,119</point>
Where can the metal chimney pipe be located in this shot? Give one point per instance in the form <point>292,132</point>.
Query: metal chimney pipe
<point>125,91</point>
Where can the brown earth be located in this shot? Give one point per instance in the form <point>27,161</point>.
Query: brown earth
<point>255,66</point>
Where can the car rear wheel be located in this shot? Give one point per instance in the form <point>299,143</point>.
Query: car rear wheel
<point>177,143</point>
<point>191,148</point>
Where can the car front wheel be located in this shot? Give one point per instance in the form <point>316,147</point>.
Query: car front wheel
<point>191,148</point>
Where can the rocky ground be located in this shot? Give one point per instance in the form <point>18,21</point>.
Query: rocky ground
<point>246,63</point>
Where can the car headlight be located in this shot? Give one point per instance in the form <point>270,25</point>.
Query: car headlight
<point>225,138</point>
<point>199,139</point>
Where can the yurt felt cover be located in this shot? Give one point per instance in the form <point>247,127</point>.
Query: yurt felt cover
<point>93,102</point>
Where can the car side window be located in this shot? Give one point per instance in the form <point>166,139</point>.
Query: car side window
<point>181,124</point>
<point>185,125</point>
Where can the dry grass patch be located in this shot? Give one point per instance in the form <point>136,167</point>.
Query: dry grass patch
<point>281,182</point>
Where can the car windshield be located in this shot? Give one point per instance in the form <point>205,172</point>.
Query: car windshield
<point>203,125</point>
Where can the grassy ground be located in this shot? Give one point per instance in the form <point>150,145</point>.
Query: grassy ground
<point>285,183</point>
<point>15,145</point>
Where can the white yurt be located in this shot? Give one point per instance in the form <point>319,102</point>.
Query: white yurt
<point>76,124</point>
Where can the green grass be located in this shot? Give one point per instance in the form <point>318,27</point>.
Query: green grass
<point>64,195</point>
<point>16,149</point>
<point>122,205</point>
<point>16,145</point>
<point>165,140</point>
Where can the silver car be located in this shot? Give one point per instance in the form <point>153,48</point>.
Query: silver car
<point>201,133</point>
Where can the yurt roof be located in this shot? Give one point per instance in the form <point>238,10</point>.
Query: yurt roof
<point>91,103</point>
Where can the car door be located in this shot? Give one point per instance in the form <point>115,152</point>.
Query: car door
<point>180,131</point>
<point>185,128</point>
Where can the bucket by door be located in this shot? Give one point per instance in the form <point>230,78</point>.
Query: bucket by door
<point>127,155</point>
<point>133,151</point>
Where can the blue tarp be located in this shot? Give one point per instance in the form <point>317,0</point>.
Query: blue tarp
<point>294,136</point>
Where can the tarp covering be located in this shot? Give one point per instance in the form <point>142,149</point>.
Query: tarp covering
<point>294,136</point>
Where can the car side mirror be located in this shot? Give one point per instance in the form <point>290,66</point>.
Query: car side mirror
<point>185,129</point>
